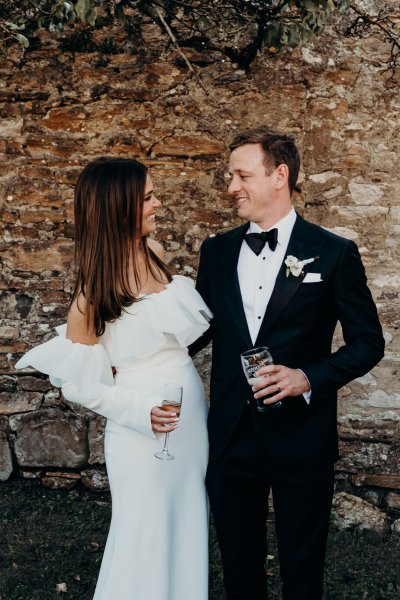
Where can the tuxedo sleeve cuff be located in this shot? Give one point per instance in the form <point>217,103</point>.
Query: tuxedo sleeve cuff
<point>306,395</point>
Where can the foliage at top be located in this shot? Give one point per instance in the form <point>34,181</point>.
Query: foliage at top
<point>236,29</point>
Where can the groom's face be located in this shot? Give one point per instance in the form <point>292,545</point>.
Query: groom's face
<point>250,185</point>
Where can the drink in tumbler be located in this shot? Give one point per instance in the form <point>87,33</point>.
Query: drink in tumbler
<point>252,361</point>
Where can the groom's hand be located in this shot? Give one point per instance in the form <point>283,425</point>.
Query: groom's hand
<point>281,382</point>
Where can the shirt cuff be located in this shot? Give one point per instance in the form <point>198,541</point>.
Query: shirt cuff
<point>306,395</point>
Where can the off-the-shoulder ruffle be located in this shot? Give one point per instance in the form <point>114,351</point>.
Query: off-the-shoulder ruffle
<point>178,311</point>
<point>63,360</point>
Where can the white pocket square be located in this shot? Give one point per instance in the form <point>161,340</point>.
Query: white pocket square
<point>312,278</point>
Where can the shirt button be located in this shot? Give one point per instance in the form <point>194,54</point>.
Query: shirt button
<point>258,317</point>
<point>260,287</point>
<point>263,257</point>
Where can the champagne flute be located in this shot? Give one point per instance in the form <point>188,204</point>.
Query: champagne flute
<point>252,361</point>
<point>171,403</point>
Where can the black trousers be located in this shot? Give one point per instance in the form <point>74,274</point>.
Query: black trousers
<point>238,487</point>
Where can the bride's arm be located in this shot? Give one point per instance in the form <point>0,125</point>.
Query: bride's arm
<point>132,408</point>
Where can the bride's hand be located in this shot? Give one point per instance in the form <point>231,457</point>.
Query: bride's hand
<point>163,421</point>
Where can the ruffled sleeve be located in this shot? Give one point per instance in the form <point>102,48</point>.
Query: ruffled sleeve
<point>85,375</point>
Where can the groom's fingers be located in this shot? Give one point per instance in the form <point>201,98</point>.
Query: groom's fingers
<point>274,390</point>
<point>281,382</point>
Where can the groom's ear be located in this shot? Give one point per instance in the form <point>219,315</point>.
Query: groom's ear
<point>281,176</point>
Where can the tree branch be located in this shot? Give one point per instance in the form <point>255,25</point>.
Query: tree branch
<point>173,39</point>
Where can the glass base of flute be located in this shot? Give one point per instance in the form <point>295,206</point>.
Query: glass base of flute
<point>252,361</point>
<point>172,402</point>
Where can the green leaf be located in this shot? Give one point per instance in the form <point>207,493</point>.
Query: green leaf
<point>85,11</point>
<point>23,40</point>
<point>14,26</point>
<point>91,18</point>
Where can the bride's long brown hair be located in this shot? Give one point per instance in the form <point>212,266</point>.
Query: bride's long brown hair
<point>109,198</point>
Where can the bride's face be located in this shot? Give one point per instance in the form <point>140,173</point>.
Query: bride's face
<point>150,206</point>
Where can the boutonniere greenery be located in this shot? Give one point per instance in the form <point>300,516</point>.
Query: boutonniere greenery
<point>294,266</point>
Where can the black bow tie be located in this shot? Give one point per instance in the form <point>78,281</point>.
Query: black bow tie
<point>257,241</point>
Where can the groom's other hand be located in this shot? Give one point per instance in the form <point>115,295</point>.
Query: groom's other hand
<point>281,382</point>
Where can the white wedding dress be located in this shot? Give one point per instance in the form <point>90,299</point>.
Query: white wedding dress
<point>158,539</point>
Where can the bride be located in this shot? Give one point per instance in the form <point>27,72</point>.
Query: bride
<point>129,316</point>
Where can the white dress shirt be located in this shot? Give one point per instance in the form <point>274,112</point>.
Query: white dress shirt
<point>257,274</point>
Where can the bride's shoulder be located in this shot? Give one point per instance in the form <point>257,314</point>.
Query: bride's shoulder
<point>78,329</point>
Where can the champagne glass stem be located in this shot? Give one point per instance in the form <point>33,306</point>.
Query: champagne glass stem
<point>165,449</point>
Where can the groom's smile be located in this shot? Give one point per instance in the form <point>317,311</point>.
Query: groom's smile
<point>252,184</point>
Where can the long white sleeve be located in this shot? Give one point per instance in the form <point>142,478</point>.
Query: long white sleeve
<point>130,408</point>
<point>85,375</point>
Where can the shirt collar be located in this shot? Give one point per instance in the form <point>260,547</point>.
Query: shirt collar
<point>284,227</point>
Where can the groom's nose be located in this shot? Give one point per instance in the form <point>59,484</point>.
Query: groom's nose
<point>234,185</point>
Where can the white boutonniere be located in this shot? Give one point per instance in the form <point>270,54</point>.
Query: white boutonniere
<point>295,266</point>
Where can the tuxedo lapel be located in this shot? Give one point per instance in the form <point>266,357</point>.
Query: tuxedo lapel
<point>304,243</point>
<point>230,281</point>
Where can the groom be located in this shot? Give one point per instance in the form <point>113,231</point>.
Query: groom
<point>260,297</point>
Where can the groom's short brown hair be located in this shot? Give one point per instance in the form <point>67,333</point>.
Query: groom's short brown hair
<point>278,149</point>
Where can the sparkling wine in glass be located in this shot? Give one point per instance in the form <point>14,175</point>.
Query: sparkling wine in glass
<point>252,361</point>
<point>172,402</point>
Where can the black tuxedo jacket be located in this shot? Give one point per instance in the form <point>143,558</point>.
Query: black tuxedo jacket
<point>298,327</point>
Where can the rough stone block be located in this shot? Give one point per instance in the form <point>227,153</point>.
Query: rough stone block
<point>52,398</point>
<point>393,500</point>
<point>192,146</point>
<point>65,119</point>
<point>55,255</point>
<point>11,404</point>
<point>396,527</point>
<point>381,481</point>
<point>11,127</point>
<point>8,383</point>
<point>50,437</point>
<point>60,481</point>
<point>38,146</point>
<point>363,194</point>
<point>95,480</point>
<point>34,384</point>
<point>9,332</point>
<point>6,463</point>
<point>370,457</point>
<point>96,440</point>
<point>34,474</point>
<point>352,512</point>
<point>377,427</point>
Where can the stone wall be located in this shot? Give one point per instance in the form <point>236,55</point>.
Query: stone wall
<point>60,109</point>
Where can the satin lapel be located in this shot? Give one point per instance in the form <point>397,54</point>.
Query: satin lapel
<point>304,243</point>
<point>230,281</point>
